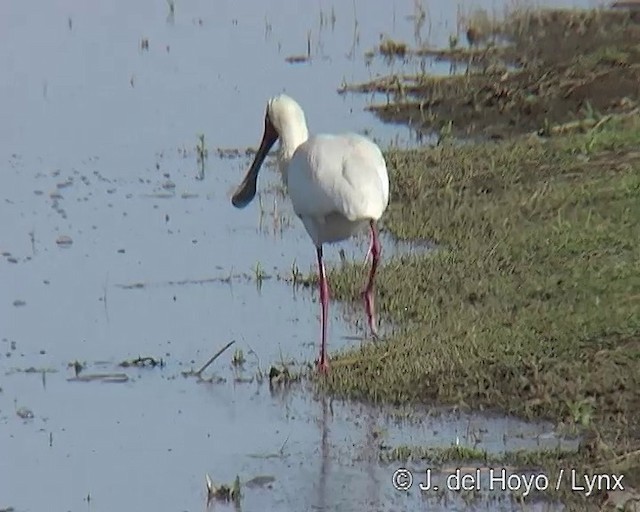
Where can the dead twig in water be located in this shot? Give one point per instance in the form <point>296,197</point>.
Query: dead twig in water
<point>213,358</point>
<point>116,378</point>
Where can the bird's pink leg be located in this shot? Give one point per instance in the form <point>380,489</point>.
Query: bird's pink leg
<point>323,363</point>
<point>375,249</point>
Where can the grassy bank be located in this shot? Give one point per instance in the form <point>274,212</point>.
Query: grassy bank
<point>532,302</point>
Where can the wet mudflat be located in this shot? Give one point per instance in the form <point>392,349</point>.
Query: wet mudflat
<point>148,443</point>
<point>117,243</point>
<point>545,71</point>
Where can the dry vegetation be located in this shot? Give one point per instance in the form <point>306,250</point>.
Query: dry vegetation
<point>533,70</point>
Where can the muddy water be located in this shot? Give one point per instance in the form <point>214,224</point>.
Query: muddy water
<point>113,248</point>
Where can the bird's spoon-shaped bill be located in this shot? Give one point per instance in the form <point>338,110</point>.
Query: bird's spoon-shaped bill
<point>247,190</point>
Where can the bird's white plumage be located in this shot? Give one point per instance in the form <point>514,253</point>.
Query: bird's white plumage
<point>337,183</point>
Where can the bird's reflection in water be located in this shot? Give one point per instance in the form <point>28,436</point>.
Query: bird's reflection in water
<point>367,453</point>
<point>371,460</point>
<point>325,455</point>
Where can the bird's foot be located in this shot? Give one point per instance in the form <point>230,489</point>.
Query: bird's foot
<point>323,366</point>
<point>371,317</point>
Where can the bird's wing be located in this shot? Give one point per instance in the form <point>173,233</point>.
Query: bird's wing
<point>344,174</point>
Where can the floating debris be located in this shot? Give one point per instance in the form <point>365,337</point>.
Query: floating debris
<point>297,59</point>
<point>159,195</point>
<point>33,369</point>
<point>235,152</point>
<point>391,48</point>
<point>103,377</point>
<point>25,413</point>
<point>143,361</point>
<point>133,286</point>
<point>65,184</point>
<point>260,482</point>
<point>77,366</point>
<point>282,377</point>
<point>64,240</point>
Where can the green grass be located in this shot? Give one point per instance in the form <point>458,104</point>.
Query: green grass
<point>531,304</point>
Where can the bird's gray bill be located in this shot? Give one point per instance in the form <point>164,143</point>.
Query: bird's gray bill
<point>247,189</point>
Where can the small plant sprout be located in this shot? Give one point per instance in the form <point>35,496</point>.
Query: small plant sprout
<point>32,239</point>
<point>259,273</point>
<point>259,374</point>
<point>445,132</point>
<point>343,258</point>
<point>210,487</point>
<point>224,493</point>
<point>296,275</point>
<point>203,153</point>
<point>235,490</point>
<point>238,358</point>
<point>230,276</point>
<point>267,28</point>
<point>453,41</point>
<point>582,411</point>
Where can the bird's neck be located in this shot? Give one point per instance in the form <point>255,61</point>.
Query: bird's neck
<point>290,139</point>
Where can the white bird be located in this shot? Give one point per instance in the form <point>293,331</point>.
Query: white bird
<point>338,185</point>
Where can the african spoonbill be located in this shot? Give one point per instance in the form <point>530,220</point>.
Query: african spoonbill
<point>338,185</point>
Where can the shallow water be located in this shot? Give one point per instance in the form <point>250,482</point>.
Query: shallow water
<point>112,248</point>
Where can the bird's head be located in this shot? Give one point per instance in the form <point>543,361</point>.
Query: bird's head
<point>284,114</point>
<point>283,119</point>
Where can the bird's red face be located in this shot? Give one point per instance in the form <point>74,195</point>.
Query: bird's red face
<point>247,189</point>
